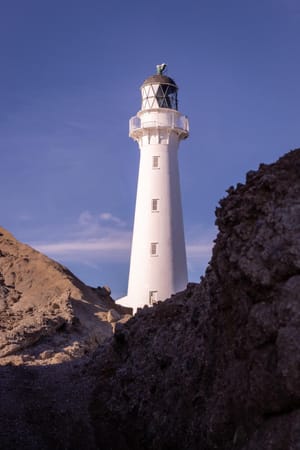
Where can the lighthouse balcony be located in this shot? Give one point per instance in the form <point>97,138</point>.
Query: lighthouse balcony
<point>167,119</point>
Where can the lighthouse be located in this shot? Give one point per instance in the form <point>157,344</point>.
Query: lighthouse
<point>158,266</point>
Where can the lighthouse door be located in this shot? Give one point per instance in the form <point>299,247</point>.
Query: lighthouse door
<point>153,297</point>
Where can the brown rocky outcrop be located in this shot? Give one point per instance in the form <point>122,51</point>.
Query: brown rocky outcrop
<point>214,367</point>
<point>47,315</point>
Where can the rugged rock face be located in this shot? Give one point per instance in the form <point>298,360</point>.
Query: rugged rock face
<point>47,315</point>
<point>218,366</point>
<point>215,367</point>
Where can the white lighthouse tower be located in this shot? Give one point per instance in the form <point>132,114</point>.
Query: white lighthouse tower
<point>158,258</point>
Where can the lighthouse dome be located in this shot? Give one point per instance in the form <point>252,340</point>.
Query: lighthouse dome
<point>159,78</point>
<point>159,91</point>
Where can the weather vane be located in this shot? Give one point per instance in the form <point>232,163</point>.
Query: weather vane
<point>160,68</point>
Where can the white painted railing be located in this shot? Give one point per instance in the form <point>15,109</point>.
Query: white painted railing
<point>159,119</point>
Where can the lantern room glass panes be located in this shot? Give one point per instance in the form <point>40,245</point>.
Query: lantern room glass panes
<point>159,96</point>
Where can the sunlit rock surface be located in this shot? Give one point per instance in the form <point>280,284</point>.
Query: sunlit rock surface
<point>47,315</point>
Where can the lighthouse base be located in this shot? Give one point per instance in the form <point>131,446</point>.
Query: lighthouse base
<point>123,301</point>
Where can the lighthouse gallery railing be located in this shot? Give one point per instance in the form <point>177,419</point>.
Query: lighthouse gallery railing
<point>170,120</point>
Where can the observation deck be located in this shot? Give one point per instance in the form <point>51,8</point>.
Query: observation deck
<point>155,119</point>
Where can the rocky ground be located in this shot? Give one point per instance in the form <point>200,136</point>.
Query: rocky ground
<point>47,315</point>
<point>214,367</point>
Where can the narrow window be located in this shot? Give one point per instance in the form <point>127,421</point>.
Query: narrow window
<point>155,206</point>
<point>155,162</point>
<point>153,297</point>
<point>154,248</point>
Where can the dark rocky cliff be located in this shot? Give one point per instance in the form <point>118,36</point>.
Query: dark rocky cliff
<point>215,367</point>
<point>218,366</point>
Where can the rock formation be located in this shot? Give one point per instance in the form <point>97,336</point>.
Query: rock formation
<point>215,367</point>
<point>47,315</point>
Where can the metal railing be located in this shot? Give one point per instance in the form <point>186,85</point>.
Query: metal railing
<point>169,120</point>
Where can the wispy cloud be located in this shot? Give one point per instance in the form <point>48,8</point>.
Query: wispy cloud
<point>200,241</point>
<point>199,249</point>
<point>108,217</point>
<point>89,223</point>
<point>25,217</point>
<point>101,237</point>
<point>93,237</point>
<point>89,246</point>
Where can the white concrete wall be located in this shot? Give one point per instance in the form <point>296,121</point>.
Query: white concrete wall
<point>165,273</point>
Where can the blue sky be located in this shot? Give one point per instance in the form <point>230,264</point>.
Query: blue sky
<point>69,82</point>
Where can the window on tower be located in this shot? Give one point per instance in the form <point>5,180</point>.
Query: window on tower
<point>155,162</point>
<point>155,205</point>
<point>154,249</point>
